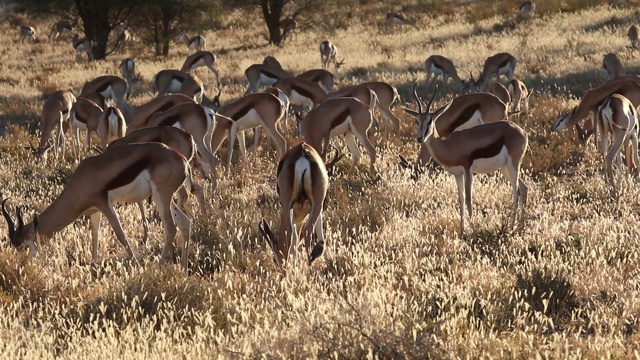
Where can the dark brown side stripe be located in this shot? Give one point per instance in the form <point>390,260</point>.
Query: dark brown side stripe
<point>463,117</point>
<point>128,174</point>
<point>488,151</point>
<point>342,117</point>
<point>169,120</point>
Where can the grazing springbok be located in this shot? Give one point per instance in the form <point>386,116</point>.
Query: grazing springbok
<point>438,65</point>
<point>322,77</point>
<point>143,113</point>
<point>527,10</point>
<point>197,120</point>
<point>484,148</point>
<point>387,95</point>
<point>198,59</point>
<point>494,66</point>
<point>340,116</point>
<point>130,173</point>
<point>519,96</point>
<point>59,28</point>
<point>612,66</point>
<point>619,118</point>
<point>111,87</point>
<point>591,100</point>
<point>395,18</point>
<point>86,115</point>
<point>83,45</point>
<point>634,35</point>
<point>196,43</point>
<point>302,183</point>
<point>500,91</point>
<point>266,73</point>
<point>55,115</point>
<point>250,111</point>
<point>329,54</point>
<point>301,92</point>
<point>176,81</point>
<point>179,141</point>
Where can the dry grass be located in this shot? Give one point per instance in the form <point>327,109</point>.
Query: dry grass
<point>401,282</point>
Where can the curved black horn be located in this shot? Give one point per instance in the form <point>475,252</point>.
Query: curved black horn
<point>7,217</point>
<point>415,94</point>
<point>432,98</point>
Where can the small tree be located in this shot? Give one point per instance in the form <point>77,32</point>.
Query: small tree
<point>159,21</point>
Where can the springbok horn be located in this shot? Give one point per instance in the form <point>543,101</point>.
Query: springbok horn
<point>415,94</point>
<point>7,217</point>
<point>432,98</point>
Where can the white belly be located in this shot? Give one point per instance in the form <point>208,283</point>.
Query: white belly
<point>137,190</point>
<point>79,124</point>
<point>474,120</point>
<point>250,120</point>
<point>299,99</point>
<point>435,70</point>
<point>174,86</point>
<point>265,80</point>
<point>483,165</point>
<point>504,70</point>
<point>342,128</point>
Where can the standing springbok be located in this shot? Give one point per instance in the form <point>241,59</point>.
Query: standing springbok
<point>130,173</point>
<point>198,59</point>
<point>59,28</point>
<point>302,183</point>
<point>461,113</point>
<point>387,95</point>
<point>197,120</point>
<point>267,73</point>
<point>55,115</point>
<point>176,81</point>
<point>250,111</point>
<point>86,115</point>
<point>196,43</point>
<point>111,87</point>
<point>329,54</point>
<point>27,32</point>
<point>494,66</point>
<point>527,10</point>
<point>612,66</point>
<point>438,65</point>
<point>128,71</point>
<point>83,45</point>
<point>619,118</point>
<point>634,35</point>
<point>340,116</point>
<point>481,149</point>
<point>519,96</point>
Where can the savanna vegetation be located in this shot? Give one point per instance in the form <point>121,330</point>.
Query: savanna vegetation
<point>401,280</point>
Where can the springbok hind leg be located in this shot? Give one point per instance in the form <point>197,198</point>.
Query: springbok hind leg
<point>184,225</point>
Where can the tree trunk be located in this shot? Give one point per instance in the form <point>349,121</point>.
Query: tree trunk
<point>95,16</point>
<point>272,12</point>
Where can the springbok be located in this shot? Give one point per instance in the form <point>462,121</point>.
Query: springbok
<point>130,173</point>
<point>484,148</point>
